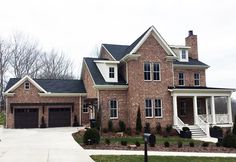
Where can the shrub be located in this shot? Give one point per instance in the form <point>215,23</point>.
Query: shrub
<point>110,126</point>
<point>128,131</point>
<point>205,144</point>
<point>137,143</point>
<point>138,121</point>
<point>168,129</point>
<point>122,126</point>
<point>152,140</point>
<point>166,144</point>
<point>185,129</point>
<point>75,123</point>
<point>180,144</point>
<point>158,128</point>
<point>218,144</point>
<point>191,144</point>
<point>91,136</point>
<point>234,127</point>
<point>229,141</point>
<point>147,128</point>
<point>104,130</point>
<point>107,141</point>
<point>123,143</point>
<point>216,132</point>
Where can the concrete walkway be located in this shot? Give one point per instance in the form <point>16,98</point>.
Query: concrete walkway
<point>41,145</point>
<point>158,153</point>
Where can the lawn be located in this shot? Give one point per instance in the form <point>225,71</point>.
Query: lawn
<point>135,158</point>
<point>2,118</point>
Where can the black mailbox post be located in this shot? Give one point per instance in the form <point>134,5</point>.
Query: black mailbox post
<point>146,140</point>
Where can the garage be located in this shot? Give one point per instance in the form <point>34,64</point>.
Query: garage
<point>26,117</point>
<point>59,117</point>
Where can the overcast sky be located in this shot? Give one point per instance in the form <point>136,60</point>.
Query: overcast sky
<point>79,27</point>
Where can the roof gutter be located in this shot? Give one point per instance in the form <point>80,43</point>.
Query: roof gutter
<point>111,87</point>
<point>62,94</point>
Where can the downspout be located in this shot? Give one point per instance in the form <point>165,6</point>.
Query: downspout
<point>6,112</point>
<point>80,114</point>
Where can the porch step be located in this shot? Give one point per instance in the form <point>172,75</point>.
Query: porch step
<point>196,132</point>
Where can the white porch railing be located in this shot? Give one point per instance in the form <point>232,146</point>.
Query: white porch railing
<point>220,118</point>
<point>180,124</point>
<point>203,125</point>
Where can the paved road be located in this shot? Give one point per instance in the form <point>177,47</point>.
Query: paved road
<point>41,145</point>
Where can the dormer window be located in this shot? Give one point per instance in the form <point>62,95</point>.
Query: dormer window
<point>27,85</point>
<point>111,72</point>
<point>183,55</point>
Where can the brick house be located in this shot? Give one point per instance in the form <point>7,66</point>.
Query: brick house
<point>167,83</point>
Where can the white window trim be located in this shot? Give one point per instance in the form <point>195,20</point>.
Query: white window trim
<point>117,109</point>
<point>112,72</point>
<point>181,59</point>
<point>148,117</point>
<point>158,71</point>
<point>183,79</point>
<point>83,110</point>
<point>158,117</point>
<point>198,80</point>
<point>147,71</point>
<point>25,85</point>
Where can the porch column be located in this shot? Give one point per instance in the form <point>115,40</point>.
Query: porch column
<point>207,112</point>
<point>229,109</point>
<point>213,114</point>
<point>175,114</point>
<point>195,113</point>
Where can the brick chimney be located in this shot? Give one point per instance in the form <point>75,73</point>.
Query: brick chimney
<point>191,41</point>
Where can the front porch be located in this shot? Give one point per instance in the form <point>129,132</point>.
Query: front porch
<point>195,107</point>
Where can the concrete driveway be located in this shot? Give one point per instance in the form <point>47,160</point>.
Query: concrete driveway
<point>41,145</point>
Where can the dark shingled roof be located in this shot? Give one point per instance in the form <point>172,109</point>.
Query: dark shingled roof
<point>97,76</point>
<point>191,62</point>
<point>55,85</point>
<point>119,51</point>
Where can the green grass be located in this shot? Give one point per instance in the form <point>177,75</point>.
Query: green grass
<point>135,158</point>
<point>2,118</point>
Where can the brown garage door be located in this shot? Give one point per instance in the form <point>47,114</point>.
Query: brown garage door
<point>59,117</point>
<point>26,118</point>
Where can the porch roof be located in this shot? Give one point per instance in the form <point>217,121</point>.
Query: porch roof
<point>200,91</point>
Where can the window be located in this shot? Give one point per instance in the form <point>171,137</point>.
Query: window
<point>111,72</point>
<point>181,79</point>
<point>27,85</point>
<point>148,108</point>
<point>147,71</point>
<point>197,79</point>
<point>184,56</point>
<point>157,108</point>
<point>113,109</point>
<point>85,108</point>
<point>156,71</point>
<point>183,108</point>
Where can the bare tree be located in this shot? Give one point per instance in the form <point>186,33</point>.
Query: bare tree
<point>5,55</point>
<point>56,66</point>
<point>25,56</point>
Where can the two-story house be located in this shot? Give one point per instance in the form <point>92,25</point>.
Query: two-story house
<point>166,82</point>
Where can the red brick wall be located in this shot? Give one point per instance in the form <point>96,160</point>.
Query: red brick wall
<point>189,76</point>
<point>139,89</point>
<point>192,42</point>
<point>105,54</point>
<point>32,96</point>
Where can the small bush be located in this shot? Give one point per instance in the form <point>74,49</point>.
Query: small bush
<point>218,144</point>
<point>137,143</point>
<point>104,130</point>
<point>158,128</point>
<point>205,144</point>
<point>110,126</point>
<point>91,136</point>
<point>123,143</point>
<point>122,126</point>
<point>185,129</point>
<point>166,144</point>
<point>180,144</point>
<point>152,140</point>
<point>128,131</point>
<point>107,141</point>
<point>229,141</point>
<point>138,121</point>
<point>191,144</point>
<point>147,128</point>
<point>168,129</point>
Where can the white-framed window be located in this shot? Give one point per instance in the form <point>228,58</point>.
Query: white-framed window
<point>85,109</point>
<point>147,71</point>
<point>156,71</point>
<point>181,79</point>
<point>158,108</point>
<point>148,108</point>
<point>197,79</point>
<point>183,108</point>
<point>111,72</point>
<point>113,105</point>
<point>27,85</point>
<point>184,56</point>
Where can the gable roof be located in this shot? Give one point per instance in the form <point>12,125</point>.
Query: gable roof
<point>120,51</point>
<point>191,62</point>
<point>96,74</point>
<point>51,85</point>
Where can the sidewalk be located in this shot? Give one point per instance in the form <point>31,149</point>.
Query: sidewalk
<point>158,153</point>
